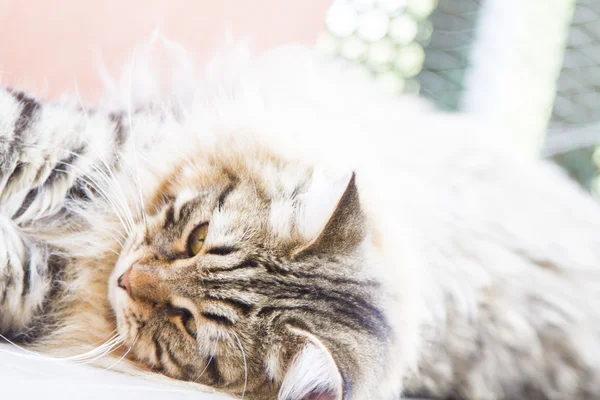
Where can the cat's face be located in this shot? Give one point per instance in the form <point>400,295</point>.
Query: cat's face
<point>248,276</point>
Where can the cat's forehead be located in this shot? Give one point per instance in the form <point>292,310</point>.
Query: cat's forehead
<point>259,172</point>
<point>257,194</point>
<point>256,179</point>
<point>245,200</point>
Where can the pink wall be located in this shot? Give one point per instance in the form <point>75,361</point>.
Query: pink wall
<point>48,45</point>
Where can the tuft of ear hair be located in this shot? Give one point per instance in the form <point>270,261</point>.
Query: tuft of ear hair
<point>329,215</point>
<point>313,374</point>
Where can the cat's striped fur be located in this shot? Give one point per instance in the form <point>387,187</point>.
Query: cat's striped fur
<point>60,158</point>
<point>311,284</point>
<point>50,154</point>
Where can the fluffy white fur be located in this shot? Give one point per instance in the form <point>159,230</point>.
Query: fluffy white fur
<point>464,222</point>
<point>460,212</point>
<point>312,371</point>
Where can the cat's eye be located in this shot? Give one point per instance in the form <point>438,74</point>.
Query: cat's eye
<point>187,319</point>
<point>197,238</point>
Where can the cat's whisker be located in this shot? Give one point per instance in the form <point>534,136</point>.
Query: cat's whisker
<point>132,194</point>
<point>99,351</point>
<point>83,108</point>
<point>106,352</point>
<point>137,196</point>
<point>96,352</point>
<point>112,179</point>
<point>124,355</point>
<point>27,353</point>
<point>117,236</point>
<point>116,252</point>
<point>122,238</point>
<point>123,210</point>
<point>212,354</point>
<point>237,338</point>
<point>188,161</point>
<point>109,336</point>
<point>139,189</point>
<point>132,129</point>
<point>103,350</point>
<point>95,185</point>
<point>119,208</point>
<point>130,216</point>
<point>205,368</point>
<point>119,196</point>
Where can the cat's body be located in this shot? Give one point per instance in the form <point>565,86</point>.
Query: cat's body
<point>447,252</point>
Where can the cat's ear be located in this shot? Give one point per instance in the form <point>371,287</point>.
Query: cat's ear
<point>313,375</point>
<point>329,215</point>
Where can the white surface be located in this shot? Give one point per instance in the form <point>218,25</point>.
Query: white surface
<point>31,378</point>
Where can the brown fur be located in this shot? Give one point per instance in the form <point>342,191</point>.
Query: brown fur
<point>271,282</point>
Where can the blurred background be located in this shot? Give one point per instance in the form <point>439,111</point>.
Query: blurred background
<point>529,67</point>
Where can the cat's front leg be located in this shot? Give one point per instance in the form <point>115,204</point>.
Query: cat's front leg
<point>51,152</point>
<point>19,113</point>
<point>25,279</point>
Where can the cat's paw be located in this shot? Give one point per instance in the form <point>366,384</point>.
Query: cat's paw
<point>24,278</point>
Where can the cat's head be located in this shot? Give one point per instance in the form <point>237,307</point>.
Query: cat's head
<point>250,274</point>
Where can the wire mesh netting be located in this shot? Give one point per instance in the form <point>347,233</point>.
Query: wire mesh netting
<point>578,95</point>
<point>443,75</point>
<point>425,46</point>
<point>575,121</point>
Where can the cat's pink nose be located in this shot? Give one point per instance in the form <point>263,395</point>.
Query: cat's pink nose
<point>123,281</point>
<point>143,283</point>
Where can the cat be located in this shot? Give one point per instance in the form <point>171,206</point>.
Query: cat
<point>280,230</point>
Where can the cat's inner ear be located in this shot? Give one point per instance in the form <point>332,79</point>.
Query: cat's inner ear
<point>329,215</point>
<point>312,375</point>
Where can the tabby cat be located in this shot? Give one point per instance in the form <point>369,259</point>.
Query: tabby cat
<point>279,231</point>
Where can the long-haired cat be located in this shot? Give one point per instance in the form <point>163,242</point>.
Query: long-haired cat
<point>277,230</point>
